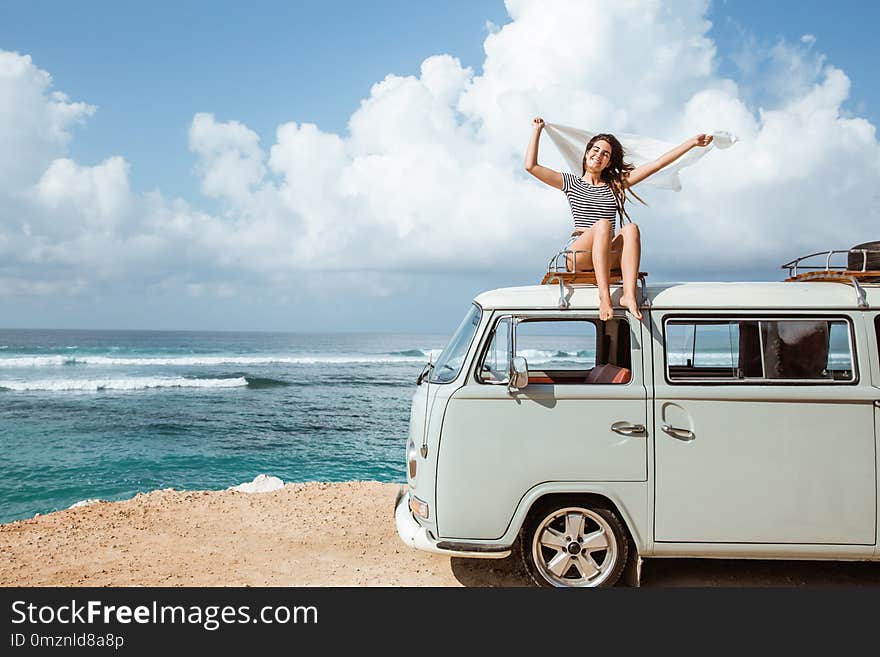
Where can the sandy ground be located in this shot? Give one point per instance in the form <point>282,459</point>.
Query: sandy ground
<point>313,534</point>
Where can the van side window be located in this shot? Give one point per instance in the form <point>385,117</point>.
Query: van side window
<point>759,351</point>
<point>564,351</point>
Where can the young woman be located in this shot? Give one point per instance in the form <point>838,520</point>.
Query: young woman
<point>596,199</point>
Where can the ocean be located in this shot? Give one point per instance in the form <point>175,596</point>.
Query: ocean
<point>109,414</point>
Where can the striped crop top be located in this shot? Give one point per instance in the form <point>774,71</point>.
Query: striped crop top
<point>589,203</point>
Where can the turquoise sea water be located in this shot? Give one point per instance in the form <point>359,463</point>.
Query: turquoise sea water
<point>108,414</point>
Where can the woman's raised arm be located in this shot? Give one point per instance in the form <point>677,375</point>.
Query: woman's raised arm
<point>640,173</point>
<point>545,175</point>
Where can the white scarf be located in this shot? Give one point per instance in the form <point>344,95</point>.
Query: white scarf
<point>571,142</point>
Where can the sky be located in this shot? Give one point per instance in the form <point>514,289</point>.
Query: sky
<point>350,166</point>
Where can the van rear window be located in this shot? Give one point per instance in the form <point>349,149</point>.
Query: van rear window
<point>786,350</point>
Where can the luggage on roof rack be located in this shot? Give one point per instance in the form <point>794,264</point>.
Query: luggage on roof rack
<point>862,266</point>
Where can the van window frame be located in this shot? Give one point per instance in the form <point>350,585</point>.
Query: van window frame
<point>709,318</point>
<point>488,336</point>
<point>517,317</point>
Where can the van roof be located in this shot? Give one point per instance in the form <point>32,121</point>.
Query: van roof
<point>735,296</point>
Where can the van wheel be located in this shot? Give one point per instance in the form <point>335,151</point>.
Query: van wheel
<point>574,545</point>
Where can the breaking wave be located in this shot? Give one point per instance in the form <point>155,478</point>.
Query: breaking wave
<point>540,356</point>
<point>261,382</point>
<point>195,361</point>
<point>127,383</point>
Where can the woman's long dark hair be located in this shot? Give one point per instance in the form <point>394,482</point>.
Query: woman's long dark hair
<point>614,175</point>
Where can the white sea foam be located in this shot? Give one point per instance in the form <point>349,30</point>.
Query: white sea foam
<point>536,356</point>
<point>127,383</point>
<point>261,484</point>
<point>191,361</point>
<point>35,361</point>
<point>88,502</point>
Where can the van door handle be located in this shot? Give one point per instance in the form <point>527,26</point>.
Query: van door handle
<point>628,429</point>
<point>681,434</point>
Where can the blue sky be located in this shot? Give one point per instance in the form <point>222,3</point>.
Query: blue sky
<point>148,70</point>
<point>150,66</point>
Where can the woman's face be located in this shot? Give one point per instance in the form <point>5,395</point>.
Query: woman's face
<point>598,156</point>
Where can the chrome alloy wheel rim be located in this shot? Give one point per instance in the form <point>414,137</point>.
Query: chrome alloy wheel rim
<point>574,547</point>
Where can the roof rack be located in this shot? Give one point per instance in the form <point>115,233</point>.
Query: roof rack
<point>558,272</point>
<point>838,273</point>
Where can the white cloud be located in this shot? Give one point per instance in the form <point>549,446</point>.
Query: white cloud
<point>100,195</point>
<point>35,122</point>
<point>230,157</point>
<point>800,181</point>
<point>430,175</point>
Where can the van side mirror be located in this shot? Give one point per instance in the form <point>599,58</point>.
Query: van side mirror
<point>519,373</point>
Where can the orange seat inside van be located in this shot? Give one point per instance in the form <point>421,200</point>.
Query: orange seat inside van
<point>608,374</point>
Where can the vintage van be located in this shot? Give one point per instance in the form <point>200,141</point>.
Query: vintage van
<point>736,420</point>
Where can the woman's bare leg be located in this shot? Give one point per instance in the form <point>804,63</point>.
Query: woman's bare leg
<point>581,261</point>
<point>597,240</point>
<point>629,245</point>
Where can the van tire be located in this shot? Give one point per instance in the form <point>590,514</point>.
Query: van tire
<point>577,520</point>
<point>854,261</point>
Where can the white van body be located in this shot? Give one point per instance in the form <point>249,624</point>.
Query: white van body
<point>755,455</point>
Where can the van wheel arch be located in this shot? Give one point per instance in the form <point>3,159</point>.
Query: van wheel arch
<point>596,503</point>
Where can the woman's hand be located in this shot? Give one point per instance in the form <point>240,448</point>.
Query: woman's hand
<point>538,123</point>
<point>702,140</point>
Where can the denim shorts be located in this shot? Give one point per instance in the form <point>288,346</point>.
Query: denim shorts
<point>577,233</point>
<point>571,240</point>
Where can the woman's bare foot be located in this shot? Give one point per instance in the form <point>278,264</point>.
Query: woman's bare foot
<point>631,305</point>
<point>606,311</point>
